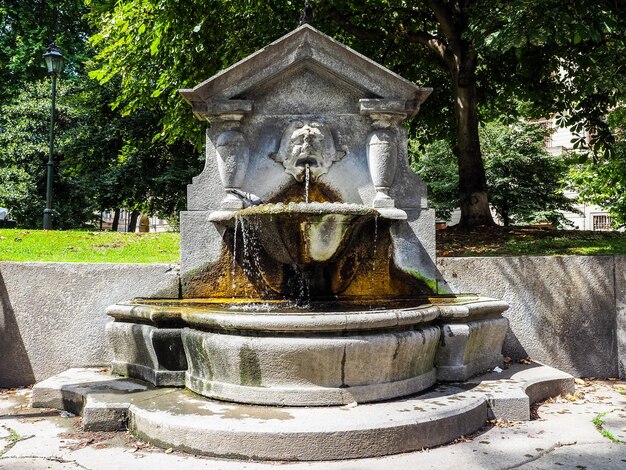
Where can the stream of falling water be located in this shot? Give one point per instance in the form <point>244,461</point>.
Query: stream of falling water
<point>250,259</point>
<point>307,180</point>
<point>375,243</point>
<point>375,234</point>
<point>234,266</point>
<point>245,261</point>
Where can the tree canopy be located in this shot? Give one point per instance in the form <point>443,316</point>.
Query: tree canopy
<point>103,159</point>
<point>526,184</point>
<point>601,178</point>
<point>477,54</point>
<point>481,56</point>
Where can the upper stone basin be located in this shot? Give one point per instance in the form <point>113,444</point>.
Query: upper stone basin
<point>303,233</point>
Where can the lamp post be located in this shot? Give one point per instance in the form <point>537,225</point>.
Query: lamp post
<point>54,61</point>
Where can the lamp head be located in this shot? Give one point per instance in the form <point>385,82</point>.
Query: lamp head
<point>54,60</point>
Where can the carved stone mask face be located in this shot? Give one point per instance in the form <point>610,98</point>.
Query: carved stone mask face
<point>307,144</point>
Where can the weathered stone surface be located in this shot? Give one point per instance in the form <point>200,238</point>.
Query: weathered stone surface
<point>100,398</point>
<point>472,333</point>
<point>74,388</point>
<point>414,244</point>
<point>511,392</point>
<point>310,370</point>
<point>201,245</point>
<point>469,348</point>
<point>175,419</point>
<point>53,314</point>
<point>312,105</point>
<point>328,433</point>
<point>620,312</point>
<point>563,308</point>
<point>146,352</point>
<point>305,47</point>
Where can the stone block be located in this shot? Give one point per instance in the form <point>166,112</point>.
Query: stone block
<point>148,353</point>
<point>52,315</point>
<point>310,370</point>
<point>470,348</point>
<point>101,399</point>
<point>620,313</point>
<point>200,245</point>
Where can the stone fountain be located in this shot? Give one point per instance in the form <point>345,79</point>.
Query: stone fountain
<point>310,304</point>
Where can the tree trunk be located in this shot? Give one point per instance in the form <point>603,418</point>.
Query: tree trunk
<point>116,221</point>
<point>472,181</point>
<point>506,219</point>
<point>132,224</point>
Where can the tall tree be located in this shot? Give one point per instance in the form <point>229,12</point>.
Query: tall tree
<point>525,183</point>
<point>478,54</point>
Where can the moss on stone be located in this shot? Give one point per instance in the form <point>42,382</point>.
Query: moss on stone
<point>249,367</point>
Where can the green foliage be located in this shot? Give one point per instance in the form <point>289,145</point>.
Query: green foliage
<point>577,49</point>
<point>558,56</point>
<point>511,50</point>
<point>156,47</point>
<point>26,29</point>
<point>24,131</point>
<point>88,247</point>
<point>102,160</point>
<point>436,164</point>
<point>598,422</point>
<point>601,178</point>
<point>525,183</point>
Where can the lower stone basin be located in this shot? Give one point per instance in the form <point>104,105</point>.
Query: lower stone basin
<point>276,353</point>
<point>303,233</point>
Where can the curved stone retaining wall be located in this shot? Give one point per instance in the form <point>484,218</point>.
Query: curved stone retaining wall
<point>566,311</point>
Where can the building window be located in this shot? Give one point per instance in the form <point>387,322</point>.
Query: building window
<point>601,222</point>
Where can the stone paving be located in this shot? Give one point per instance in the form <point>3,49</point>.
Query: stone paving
<point>562,435</point>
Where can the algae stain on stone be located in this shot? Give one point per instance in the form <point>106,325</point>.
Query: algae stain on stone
<point>433,284</point>
<point>249,367</point>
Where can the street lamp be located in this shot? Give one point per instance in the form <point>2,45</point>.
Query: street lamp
<point>54,61</point>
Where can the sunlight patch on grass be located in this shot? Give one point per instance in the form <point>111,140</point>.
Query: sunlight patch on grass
<point>88,247</point>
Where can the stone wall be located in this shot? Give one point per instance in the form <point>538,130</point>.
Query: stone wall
<point>52,314</point>
<point>568,312</point>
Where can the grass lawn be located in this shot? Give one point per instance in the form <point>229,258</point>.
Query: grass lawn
<point>515,241</point>
<point>90,247</point>
<point>112,247</point>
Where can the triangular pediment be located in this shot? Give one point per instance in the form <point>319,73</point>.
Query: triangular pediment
<point>310,51</point>
<point>306,88</point>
